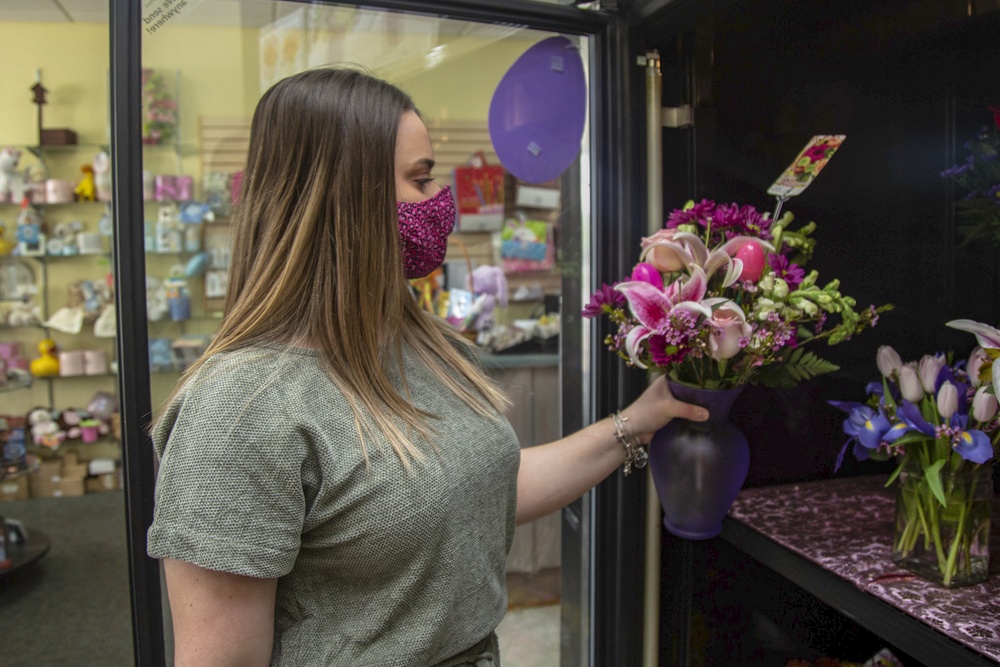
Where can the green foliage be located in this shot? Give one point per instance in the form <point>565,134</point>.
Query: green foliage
<point>801,365</point>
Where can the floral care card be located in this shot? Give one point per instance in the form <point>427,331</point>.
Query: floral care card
<point>806,166</point>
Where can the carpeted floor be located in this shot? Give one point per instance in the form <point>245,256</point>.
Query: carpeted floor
<point>72,606</point>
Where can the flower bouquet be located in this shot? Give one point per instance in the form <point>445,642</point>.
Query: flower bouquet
<point>939,419</point>
<point>720,300</point>
<point>159,121</point>
<point>978,211</point>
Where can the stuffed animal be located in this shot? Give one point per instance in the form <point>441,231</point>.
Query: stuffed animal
<point>20,314</point>
<point>489,284</point>
<point>45,430</point>
<point>102,176</point>
<point>85,189</point>
<point>11,180</point>
<point>156,300</point>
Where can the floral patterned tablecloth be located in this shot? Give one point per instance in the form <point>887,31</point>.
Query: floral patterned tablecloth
<point>845,525</point>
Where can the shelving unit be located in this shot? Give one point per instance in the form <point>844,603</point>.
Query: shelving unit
<point>55,267</point>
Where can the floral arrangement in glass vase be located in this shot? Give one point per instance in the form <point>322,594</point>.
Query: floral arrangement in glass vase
<point>977,213</point>
<point>721,299</point>
<point>938,418</point>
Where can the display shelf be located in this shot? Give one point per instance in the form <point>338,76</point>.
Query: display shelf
<point>107,447</point>
<point>100,256</point>
<point>91,204</point>
<point>832,538</point>
<point>39,150</point>
<point>179,148</point>
<point>16,385</point>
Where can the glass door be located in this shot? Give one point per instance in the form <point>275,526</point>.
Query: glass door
<point>63,562</point>
<point>187,77</point>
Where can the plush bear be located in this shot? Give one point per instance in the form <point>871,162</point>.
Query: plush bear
<point>11,180</point>
<point>489,284</point>
<point>21,314</point>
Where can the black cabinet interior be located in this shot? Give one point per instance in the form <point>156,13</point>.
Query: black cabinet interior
<point>744,613</point>
<point>908,82</point>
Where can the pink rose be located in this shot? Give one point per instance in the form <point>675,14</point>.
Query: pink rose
<point>732,328</point>
<point>665,259</point>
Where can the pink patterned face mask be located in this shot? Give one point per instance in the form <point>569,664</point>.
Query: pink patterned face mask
<point>423,232</point>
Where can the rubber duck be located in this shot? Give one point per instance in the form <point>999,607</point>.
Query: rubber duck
<point>6,247</point>
<point>46,365</point>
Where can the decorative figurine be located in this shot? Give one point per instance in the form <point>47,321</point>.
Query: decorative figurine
<point>102,176</point>
<point>86,190</point>
<point>60,137</point>
<point>31,240</point>
<point>11,180</point>
<point>47,365</point>
<point>216,188</point>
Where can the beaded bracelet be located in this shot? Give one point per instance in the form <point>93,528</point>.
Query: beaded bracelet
<point>636,453</point>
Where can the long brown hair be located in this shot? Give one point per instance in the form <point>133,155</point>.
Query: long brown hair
<point>316,256</point>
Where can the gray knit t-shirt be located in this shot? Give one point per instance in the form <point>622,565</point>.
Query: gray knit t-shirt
<point>261,474</point>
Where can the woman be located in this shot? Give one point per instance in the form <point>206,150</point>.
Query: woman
<point>337,485</point>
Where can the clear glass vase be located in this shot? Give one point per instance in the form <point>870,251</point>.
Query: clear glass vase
<point>948,543</point>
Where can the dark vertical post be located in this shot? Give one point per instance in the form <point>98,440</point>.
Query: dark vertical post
<point>619,220</point>
<point>133,356</point>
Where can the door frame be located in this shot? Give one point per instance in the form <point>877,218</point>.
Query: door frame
<point>603,534</point>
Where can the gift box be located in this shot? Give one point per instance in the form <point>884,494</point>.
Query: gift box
<point>108,481</point>
<point>57,137</point>
<point>15,488</point>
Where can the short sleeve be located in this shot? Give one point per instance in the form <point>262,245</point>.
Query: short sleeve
<point>229,492</point>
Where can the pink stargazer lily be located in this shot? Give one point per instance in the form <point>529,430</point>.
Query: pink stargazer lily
<point>652,306</point>
<point>690,251</point>
<point>987,337</point>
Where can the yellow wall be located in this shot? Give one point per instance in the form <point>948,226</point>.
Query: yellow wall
<point>213,72</point>
<point>461,87</point>
<point>216,75</point>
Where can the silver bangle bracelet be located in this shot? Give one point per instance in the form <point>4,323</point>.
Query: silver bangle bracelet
<point>636,453</point>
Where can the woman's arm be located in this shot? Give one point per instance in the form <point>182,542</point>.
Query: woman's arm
<point>553,475</point>
<point>219,619</point>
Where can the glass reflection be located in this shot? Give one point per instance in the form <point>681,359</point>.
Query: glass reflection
<point>206,68</point>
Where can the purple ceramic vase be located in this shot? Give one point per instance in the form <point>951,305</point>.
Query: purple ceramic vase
<point>699,467</point>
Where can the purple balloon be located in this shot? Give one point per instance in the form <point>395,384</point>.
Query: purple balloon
<point>538,111</point>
